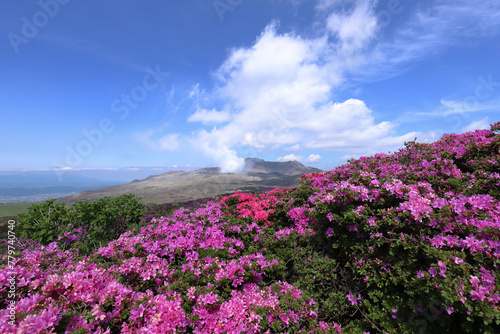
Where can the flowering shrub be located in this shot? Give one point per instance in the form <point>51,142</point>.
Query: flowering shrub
<point>84,225</point>
<point>400,243</point>
<point>180,272</point>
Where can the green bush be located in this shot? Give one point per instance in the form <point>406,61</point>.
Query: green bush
<point>84,225</point>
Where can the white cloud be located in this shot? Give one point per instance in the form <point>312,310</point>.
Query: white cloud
<point>468,105</point>
<point>291,157</point>
<point>195,92</point>
<point>356,28</point>
<point>209,116</point>
<point>461,107</point>
<point>278,92</point>
<point>313,158</point>
<point>477,125</point>
<point>216,146</point>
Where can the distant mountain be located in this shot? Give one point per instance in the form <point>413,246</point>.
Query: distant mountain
<point>179,186</point>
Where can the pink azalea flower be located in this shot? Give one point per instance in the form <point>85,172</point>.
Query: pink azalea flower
<point>337,328</point>
<point>210,298</point>
<point>352,299</point>
<point>323,325</point>
<point>442,268</point>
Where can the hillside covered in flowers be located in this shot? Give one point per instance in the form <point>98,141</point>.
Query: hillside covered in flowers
<point>401,243</point>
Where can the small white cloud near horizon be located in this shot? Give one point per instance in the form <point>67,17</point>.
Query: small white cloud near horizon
<point>291,157</point>
<point>482,124</point>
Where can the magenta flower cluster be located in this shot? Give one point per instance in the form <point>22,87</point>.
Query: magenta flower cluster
<point>422,222</point>
<point>447,191</point>
<point>179,273</point>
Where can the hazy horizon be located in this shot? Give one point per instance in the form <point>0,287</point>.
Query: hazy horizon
<point>41,184</point>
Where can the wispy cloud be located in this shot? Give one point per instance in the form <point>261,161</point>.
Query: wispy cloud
<point>209,116</point>
<point>453,107</point>
<point>430,31</point>
<point>477,125</point>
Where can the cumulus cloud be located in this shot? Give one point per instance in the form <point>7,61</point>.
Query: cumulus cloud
<point>217,145</point>
<point>279,93</point>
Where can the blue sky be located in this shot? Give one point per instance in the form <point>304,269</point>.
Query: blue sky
<point>115,84</point>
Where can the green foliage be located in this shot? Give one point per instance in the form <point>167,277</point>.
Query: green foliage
<point>44,222</point>
<point>84,225</point>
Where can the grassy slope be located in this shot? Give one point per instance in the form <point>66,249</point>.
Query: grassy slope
<point>13,209</point>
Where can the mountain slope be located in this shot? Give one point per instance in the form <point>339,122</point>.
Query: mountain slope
<point>178,186</point>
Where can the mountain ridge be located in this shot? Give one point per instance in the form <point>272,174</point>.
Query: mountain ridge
<point>179,186</point>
